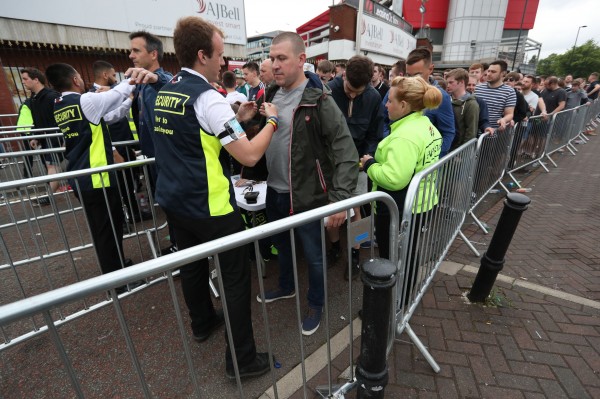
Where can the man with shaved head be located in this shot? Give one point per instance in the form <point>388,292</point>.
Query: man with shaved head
<point>266,72</point>
<point>313,163</point>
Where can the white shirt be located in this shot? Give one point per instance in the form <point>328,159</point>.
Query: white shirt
<point>235,96</point>
<point>532,99</point>
<point>111,105</point>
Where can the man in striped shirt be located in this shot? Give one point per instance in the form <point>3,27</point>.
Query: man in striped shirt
<point>500,98</point>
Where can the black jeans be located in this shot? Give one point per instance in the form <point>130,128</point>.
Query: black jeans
<point>235,270</point>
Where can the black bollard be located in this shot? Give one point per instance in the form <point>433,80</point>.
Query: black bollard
<point>378,277</point>
<point>493,260</point>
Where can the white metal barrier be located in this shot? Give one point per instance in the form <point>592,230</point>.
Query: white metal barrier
<point>34,237</point>
<point>426,235</point>
<point>492,157</point>
<point>127,310</point>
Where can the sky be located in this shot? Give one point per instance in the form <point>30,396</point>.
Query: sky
<point>555,25</point>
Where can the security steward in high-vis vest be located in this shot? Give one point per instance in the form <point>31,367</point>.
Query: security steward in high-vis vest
<point>25,118</point>
<point>105,77</point>
<point>82,118</point>
<point>194,129</point>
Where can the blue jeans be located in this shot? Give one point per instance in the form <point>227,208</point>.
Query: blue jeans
<point>278,207</point>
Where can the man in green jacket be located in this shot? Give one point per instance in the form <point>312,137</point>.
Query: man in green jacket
<point>466,109</point>
<point>312,162</point>
<point>25,120</point>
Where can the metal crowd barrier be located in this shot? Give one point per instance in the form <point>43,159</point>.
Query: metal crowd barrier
<point>492,159</point>
<point>578,128</point>
<point>35,238</point>
<point>170,332</point>
<point>426,235</point>
<point>529,145</point>
<point>560,133</point>
<point>20,161</point>
<point>594,115</point>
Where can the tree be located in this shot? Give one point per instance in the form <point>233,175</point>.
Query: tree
<point>548,66</point>
<point>579,61</point>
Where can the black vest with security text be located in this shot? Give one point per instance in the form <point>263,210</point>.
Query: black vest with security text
<point>86,145</point>
<point>193,173</point>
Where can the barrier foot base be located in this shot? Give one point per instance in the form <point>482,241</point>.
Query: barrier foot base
<point>478,223</point>
<point>571,149</point>
<point>337,390</point>
<point>551,161</point>
<point>469,244</point>
<point>422,349</point>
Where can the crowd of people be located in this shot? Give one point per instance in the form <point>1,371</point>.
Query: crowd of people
<point>314,137</point>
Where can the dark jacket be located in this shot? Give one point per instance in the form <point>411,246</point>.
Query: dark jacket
<point>466,116</point>
<point>42,112</point>
<point>324,160</point>
<point>521,108</point>
<point>366,122</point>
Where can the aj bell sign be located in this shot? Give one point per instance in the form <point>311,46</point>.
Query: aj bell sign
<point>227,15</point>
<point>380,37</point>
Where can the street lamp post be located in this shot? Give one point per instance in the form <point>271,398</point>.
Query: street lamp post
<point>519,37</point>
<point>575,45</point>
<point>422,10</point>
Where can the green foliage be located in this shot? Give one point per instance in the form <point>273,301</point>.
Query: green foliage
<point>497,299</point>
<point>579,61</point>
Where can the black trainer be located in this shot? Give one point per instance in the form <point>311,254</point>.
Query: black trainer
<point>259,366</point>
<point>217,322</point>
<point>40,201</point>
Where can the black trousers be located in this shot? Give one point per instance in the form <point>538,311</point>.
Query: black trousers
<point>108,244</point>
<point>235,271</point>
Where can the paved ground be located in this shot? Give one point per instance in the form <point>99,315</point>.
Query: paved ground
<point>543,341</point>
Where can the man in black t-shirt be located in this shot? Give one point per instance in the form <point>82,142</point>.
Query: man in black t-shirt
<point>554,97</point>
<point>593,87</point>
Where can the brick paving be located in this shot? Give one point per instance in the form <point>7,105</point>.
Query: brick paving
<point>539,343</point>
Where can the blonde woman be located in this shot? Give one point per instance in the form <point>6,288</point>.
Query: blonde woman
<point>413,144</point>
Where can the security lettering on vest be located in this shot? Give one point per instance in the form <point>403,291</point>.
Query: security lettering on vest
<point>68,114</point>
<point>170,102</point>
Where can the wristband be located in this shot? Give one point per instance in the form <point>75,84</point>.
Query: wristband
<point>114,148</point>
<point>274,121</point>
